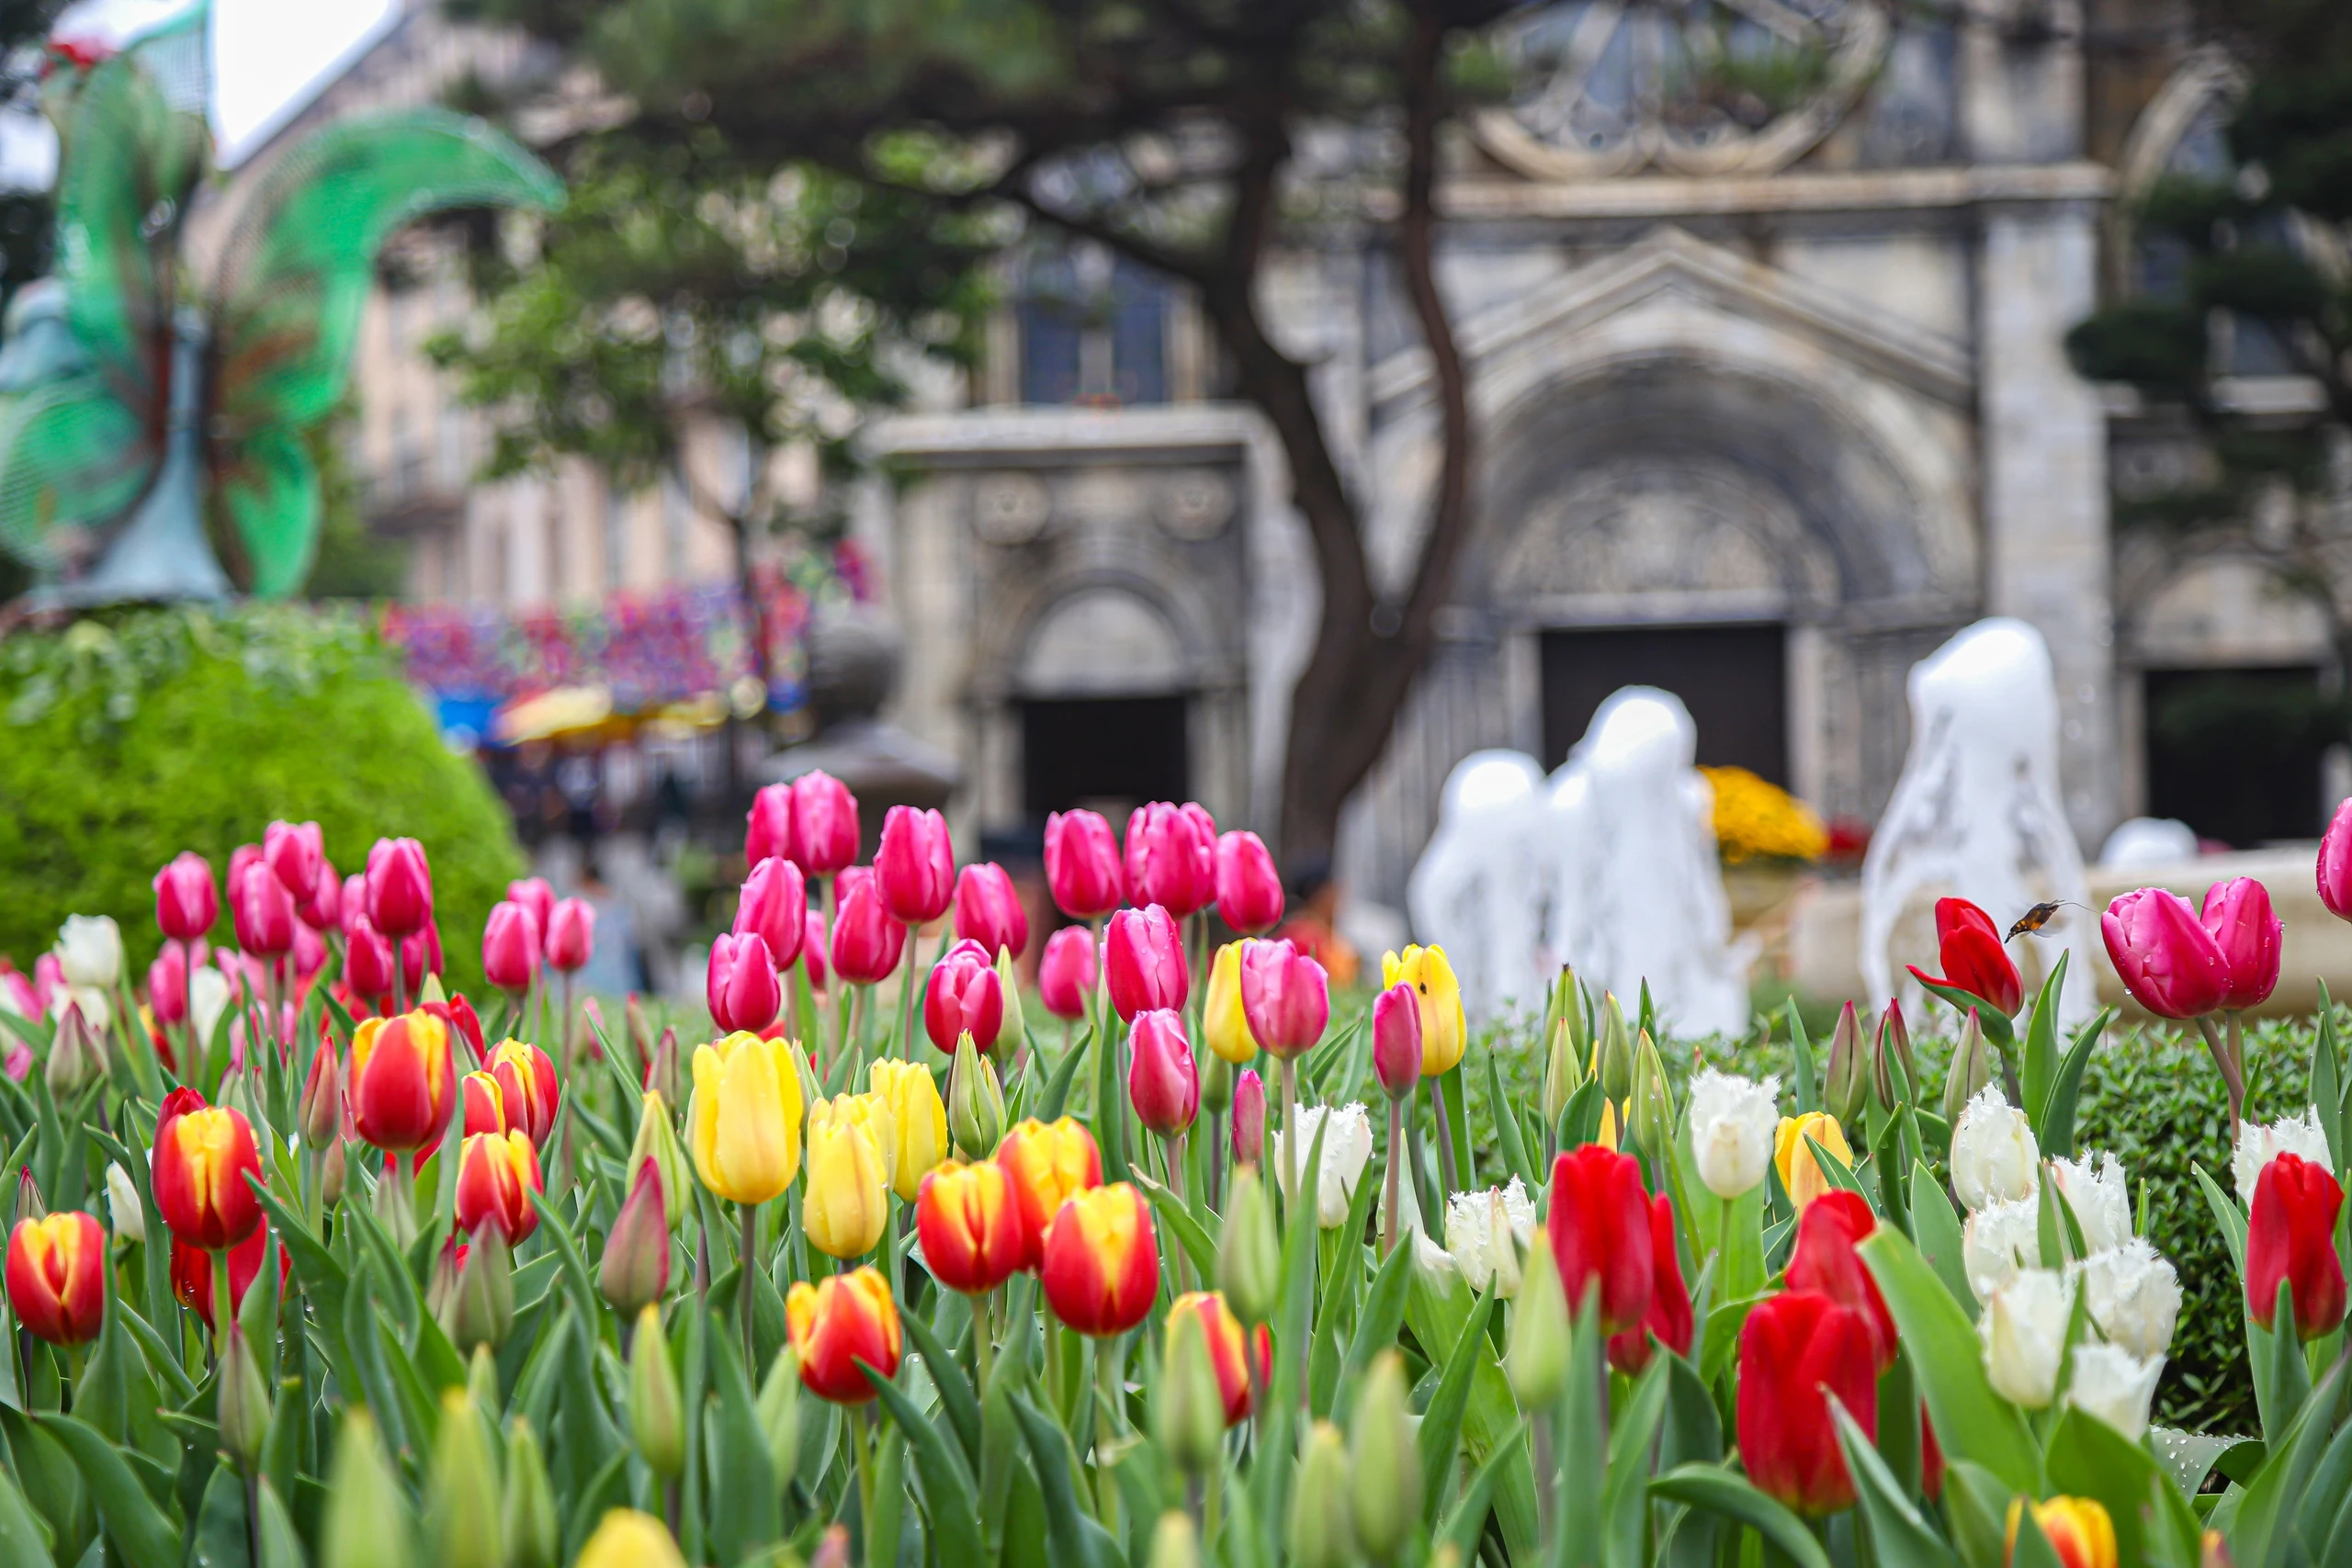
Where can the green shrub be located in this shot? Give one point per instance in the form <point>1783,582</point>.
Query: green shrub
<point>127,739</point>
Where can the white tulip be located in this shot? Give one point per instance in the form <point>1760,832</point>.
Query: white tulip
<point>1993,1158</point>
<point>2114,1385</point>
<point>89,949</point>
<point>2259,1145</point>
<point>2024,1331</point>
<point>2100,1197</point>
<point>1998,1240</point>
<point>2133,1296</point>
<point>208,998</point>
<point>1346,1147</point>
<point>122,1203</point>
<point>1473,1231</point>
<point>1732,1123</point>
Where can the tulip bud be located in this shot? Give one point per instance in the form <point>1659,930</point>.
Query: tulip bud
<point>1066,974</point>
<point>1386,1461</point>
<point>77,1058</point>
<point>481,1309</point>
<point>1249,1119</point>
<point>975,1102</point>
<point>1322,1525</point>
<point>641,1028</point>
<point>832,1548</point>
<point>663,1074</point>
<point>1894,1072</point>
<point>657,1421</point>
<point>1162,1084</point>
<point>461,1510</point>
<point>1249,1265</point>
<point>635,1270</point>
<point>657,1144</point>
<point>1651,1115</point>
<point>1396,1040</point>
<point>1174,1543</point>
<point>1540,1335</point>
<point>988,909</point>
<point>129,1216</point>
<point>322,1110</point>
<point>1845,1079</point>
<point>1188,1408</point>
<point>1615,1058</point>
<point>779,1414</point>
<point>1013,1032</point>
<point>1970,1070</point>
<point>1216,1086</point>
<point>482,1378</point>
<point>330,1174</point>
<point>28,1201</point>
<point>1248,889</point>
<point>527,1525</point>
<point>1563,1070</point>
<point>366,1522</point>
<point>1082,867</point>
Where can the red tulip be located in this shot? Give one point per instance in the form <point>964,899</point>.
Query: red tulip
<point>767,827</point>
<point>915,864</point>
<point>1083,865</point>
<point>1600,1229</point>
<point>202,1155</point>
<point>970,1225</point>
<point>367,959</point>
<point>458,1014</point>
<point>1396,1040</point>
<point>839,1325</point>
<point>1285,996</point>
<point>534,893</point>
<point>526,1088</point>
<point>1795,1350</point>
<point>1826,1263</point>
<point>2335,867</point>
<point>483,1104</point>
<point>1066,972</point>
<point>2237,915</point>
<point>964,995</point>
<point>824,825</point>
<point>186,901</point>
<point>401,1079</point>
<point>191,1271</point>
<point>264,913</point>
<point>294,850</point>
<point>570,934</point>
<point>510,947</point>
<point>323,908</point>
<point>2169,962</point>
<point>1969,947</point>
<point>741,984</point>
<point>57,1276</point>
<point>989,911</point>
<point>496,1174</point>
<point>1248,890</point>
<point>813,948</point>
<point>399,886</point>
<point>774,904</point>
<point>1162,1082</point>
<point>2291,1236</point>
<point>1249,1117</point>
<point>1172,857</point>
<point>1101,1266</point>
<point>867,939</point>
<point>1669,1319</point>
<point>1143,961</point>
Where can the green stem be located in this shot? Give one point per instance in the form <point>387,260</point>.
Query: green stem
<point>1388,1179</point>
<point>983,1336</point>
<point>223,1309</point>
<point>1108,1357</point>
<point>1446,1172</point>
<point>862,1427</point>
<point>907,1029</point>
<point>1290,1141</point>
<point>747,1260</point>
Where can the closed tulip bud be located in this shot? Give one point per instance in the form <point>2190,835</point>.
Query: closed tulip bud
<point>744,1121</point>
<point>321,907</point>
<point>186,902</point>
<point>2168,960</point>
<point>1216,1087</point>
<point>1082,867</point>
<point>1174,1542</point>
<point>1732,1123</point>
<point>657,1422</point>
<point>1101,1268</point>
<point>570,937</point>
<point>527,1526</point>
<point>2238,914</point>
<point>401,1081</point>
<point>975,1102</point>
<point>510,948</point>
<point>497,1174</point>
<point>367,959</point>
<point>773,906</point>
<point>664,1076</point>
<point>635,1270</point>
<point>1248,889</point>
<point>461,1510</point>
<point>1651,1114</point>
<point>915,864</point>
<point>1322,1522</point>
<point>1969,946</point>
<point>1223,1020</point>
<point>1172,857</point>
<point>767,826</point>
<point>366,1520</point>
<point>1385,1459</point>
<point>1143,962</point>
<point>1066,972</point>
<point>1890,1056</point>
<point>849,1177</point>
<point>740,986</point>
<point>1796,1349</point>
<point>1248,1264</point>
<point>988,909</point>
<point>1162,1084</point>
<point>399,887</point>
<point>840,1325</point>
<point>1537,1363</point>
<point>1846,1079</point>
<point>29,1203</point>
<point>2080,1533</point>
<point>1396,1040</point>
<point>2290,1240</point>
<point>534,895</point>
<point>1615,1051</point>
<point>1013,1032</point>
<point>627,1538</point>
<point>2023,1328</point>
<point>77,1058</point>
<point>330,1174</point>
<point>1969,1070</point>
<point>56,1276</point>
<point>962,996</point>
<point>1240,1358</point>
<point>1187,1410</point>
<point>1563,1071</point>
<point>167,986</point>
<point>779,1414</point>
<point>122,1204</point>
<point>1445,1031</point>
<point>480,1306</point>
<point>1599,1231</point>
<point>1047,1164</point>
<point>1802,1176</point>
<point>293,850</point>
<point>192,1275</point>
<point>867,939</point>
<point>320,1115</point>
<point>202,1157</point>
<point>1286,995</point>
<point>1249,1119</point>
<point>824,825</point>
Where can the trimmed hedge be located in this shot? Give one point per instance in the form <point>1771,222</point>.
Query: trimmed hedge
<point>127,738</point>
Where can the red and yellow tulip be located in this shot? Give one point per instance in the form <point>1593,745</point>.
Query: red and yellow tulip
<point>203,1154</point>
<point>1047,1164</point>
<point>1232,1349</point>
<point>1101,1268</point>
<point>497,1173</point>
<point>57,1276</point>
<point>841,1321</point>
<point>970,1226</point>
<point>401,1077</point>
<point>527,1087</point>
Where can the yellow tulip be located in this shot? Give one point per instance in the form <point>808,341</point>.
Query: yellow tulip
<point>628,1539</point>
<point>1221,1015</point>
<point>849,1174</point>
<point>1801,1175</point>
<point>743,1121</point>
<point>1444,1030</point>
<point>918,1116</point>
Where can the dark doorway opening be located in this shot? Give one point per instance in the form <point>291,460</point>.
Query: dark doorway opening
<point>1111,754</point>
<point>2237,753</point>
<point>1733,679</point>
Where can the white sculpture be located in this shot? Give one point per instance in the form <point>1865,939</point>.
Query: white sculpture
<point>1977,815</point>
<point>1479,888</point>
<point>2144,841</point>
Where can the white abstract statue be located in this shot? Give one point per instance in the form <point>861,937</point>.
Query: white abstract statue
<point>1479,888</point>
<point>1977,815</point>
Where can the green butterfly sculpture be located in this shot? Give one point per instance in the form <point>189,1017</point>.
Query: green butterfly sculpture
<point>137,401</point>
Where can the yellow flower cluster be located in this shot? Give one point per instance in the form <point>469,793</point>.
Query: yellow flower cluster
<point>1757,820</point>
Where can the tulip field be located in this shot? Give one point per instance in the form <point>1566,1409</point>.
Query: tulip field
<point>1174,1259</point>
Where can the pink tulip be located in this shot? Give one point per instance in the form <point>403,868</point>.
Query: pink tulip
<point>570,934</point>
<point>824,825</point>
<point>866,939</point>
<point>399,886</point>
<point>2335,864</point>
<point>1396,1039</point>
<point>186,901</point>
<point>1083,865</point>
<point>323,908</point>
<point>420,956</point>
<point>1249,1118</point>
<point>168,984</point>
<point>510,947</point>
<point>310,951</point>
<point>534,893</point>
<point>1172,857</point>
<point>1162,1082</point>
<point>264,913</point>
<point>1285,996</point>
<point>367,959</point>
<point>963,995</point>
<point>354,904</point>
<point>915,864</point>
<point>2169,962</point>
<point>774,904</point>
<point>2237,913</point>
<point>1067,971</point>
<point>813,950</point>
<point>1143,961</point>
<point>1248,892</point>
<point>989,911</point>
<point>741,985</point>
<point>767,827</point>
<point>294,850</point>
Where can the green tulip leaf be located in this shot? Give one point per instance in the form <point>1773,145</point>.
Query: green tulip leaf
<point>135,1525</point>
<point>1056,1096</point>
<point>2087,1458</point>
<point>1625,1505</point>
<point>1056,1468</point>
<point>2054,1128</point>
<point>2261,1532</point>
<point>1715,1490</point>
<point>1465,1521</point>
<point>1376,1325</point>
<point>25,1538</point>
<point>1939,1238</point>
<point>1197,1245</point>
<point>1440,1431</point>
<point>1971,1422</point>
<point>743,1514</point>
<point>1900,1536</point>
<point>2038,1069</point>
<point>947,1372</point>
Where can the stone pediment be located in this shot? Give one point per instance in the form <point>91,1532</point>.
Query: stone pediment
<point>1671,264</point>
